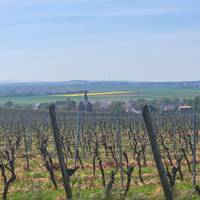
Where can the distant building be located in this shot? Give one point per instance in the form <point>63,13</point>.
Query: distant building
<point>102,107</point>
<point>130,108</point>
<point>36,106</point>
<point>41,106</point>
<point>169,108</point>
<point>185,108</point>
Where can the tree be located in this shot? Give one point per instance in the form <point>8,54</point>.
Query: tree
<point>196,103</point>
<point>70,104</point>
<point>117,107</point>
<point>140,103</point>
<point>81,106</point>
<point>9,104</point>
<point>89,107</point>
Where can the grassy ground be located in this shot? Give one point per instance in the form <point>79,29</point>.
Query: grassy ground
<point>36,185</point>
<point>144,93</point>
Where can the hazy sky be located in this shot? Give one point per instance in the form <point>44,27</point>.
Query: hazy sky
<point>134,40</point>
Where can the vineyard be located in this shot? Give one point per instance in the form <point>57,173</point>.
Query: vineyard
<point>59,155</point>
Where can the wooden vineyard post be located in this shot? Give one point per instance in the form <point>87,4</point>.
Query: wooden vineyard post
<point>119,148</point>
<point>58,144</point>
<point>156,153</point>
<point>194,141</point>
<point>25,143</point>
<point>174,137</point>
<point>77,134</point>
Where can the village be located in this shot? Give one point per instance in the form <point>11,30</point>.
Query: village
<point>116,106</point>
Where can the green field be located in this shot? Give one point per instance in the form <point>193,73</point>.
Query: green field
<point>151,93</point>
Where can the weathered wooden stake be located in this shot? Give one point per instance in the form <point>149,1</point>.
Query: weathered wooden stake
<point>58,144</point>
<point>25,143</point>
<point>156,153</point>
<point>77,133</point>
<point>194,141</point>
<point>174,136</point>
<point>119,148</point>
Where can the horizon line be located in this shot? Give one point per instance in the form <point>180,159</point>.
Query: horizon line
<point>84,80</point>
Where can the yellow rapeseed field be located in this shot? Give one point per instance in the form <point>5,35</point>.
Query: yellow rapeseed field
<point>94,94</point>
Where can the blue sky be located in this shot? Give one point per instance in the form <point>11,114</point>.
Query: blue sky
<point>137,40</point>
